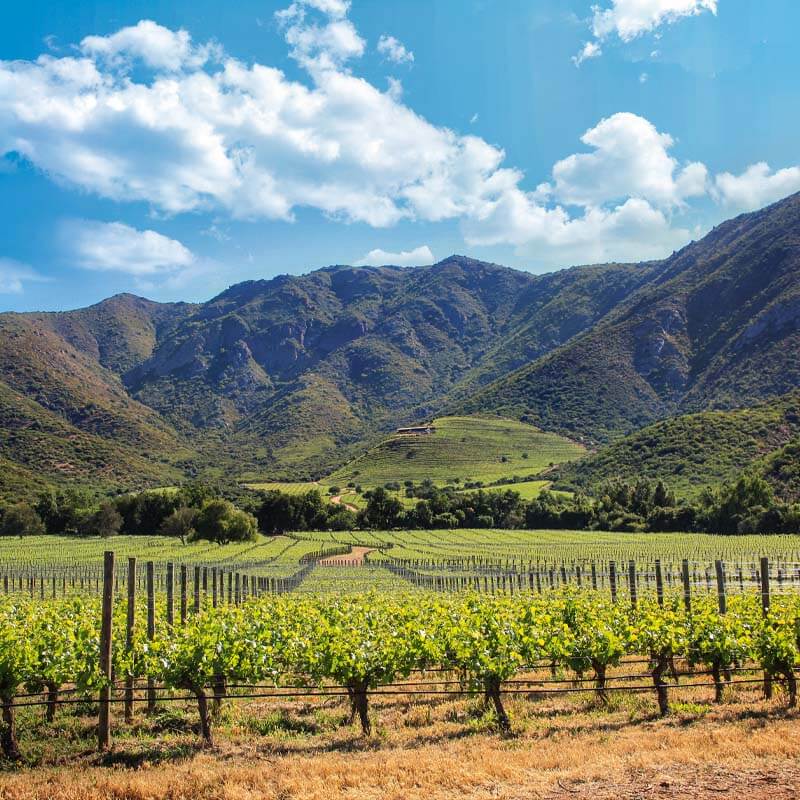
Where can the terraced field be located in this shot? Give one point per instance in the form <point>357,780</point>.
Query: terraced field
<point>460,449</point>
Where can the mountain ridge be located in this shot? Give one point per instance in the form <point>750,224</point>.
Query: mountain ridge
<point>291,375</point>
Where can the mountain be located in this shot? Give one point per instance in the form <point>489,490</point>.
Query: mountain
<point>692,451</point>
<point>290,377</point>
<point>64,411</point>
<point>717,325</point>
<point>300,371</point>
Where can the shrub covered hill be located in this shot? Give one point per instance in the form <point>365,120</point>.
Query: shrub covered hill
<point>692,451</point>
<point>717,325</point>
<point>289,377</point>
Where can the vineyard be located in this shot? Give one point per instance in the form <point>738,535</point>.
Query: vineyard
<point>464,631</point>
<point>266,640</point>
<point>460,449</point>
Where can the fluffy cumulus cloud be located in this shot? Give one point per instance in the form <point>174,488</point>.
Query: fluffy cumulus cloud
<point>118,247</point>
<point>616,202</point>
<point>629,19</point>
<point>152,44</point>
<point>14,275</point>
<point>757,186</point>
<point>394,50</point>
<point>630,159</point>
<point>418,257</point>
<point>149,115</point>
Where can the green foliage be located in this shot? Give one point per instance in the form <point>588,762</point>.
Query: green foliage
<point>467,448</point>
<point>220,521</point>
<point>20,520</point>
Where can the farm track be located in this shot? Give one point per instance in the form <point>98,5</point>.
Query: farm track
<point>337,501</point>
<point>354,558</point>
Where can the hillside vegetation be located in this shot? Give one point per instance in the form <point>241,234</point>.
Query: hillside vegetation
<point>693,451</point>
<point>293,377</point>
<point>461,449</point>
<point>717,325</point>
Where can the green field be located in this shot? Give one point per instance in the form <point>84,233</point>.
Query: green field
<point>287,487</point>
<point>434,552</point>
<point>461,449</point>
<point>277,556</point>
<point>527,490</point>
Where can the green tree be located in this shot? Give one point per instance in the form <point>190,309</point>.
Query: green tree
<point>105,522</point>
<point>220,521</point>
<point>180,524</point>
<point>21,520</point>
<point>383,511</point>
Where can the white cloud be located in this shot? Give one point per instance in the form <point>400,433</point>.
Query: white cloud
<point>630,159</point>
<point>14,275</point>
<point>643,77</point>
<point>243,141</point>
<point>420,256</point>
<point>326,46</point>
<point>625,194</point>
<point>757,186</point>
<point>629,19</point>
<point>394,50</point>
<point>118,247</point>
<point>590,50</point>
<point>156,46</point>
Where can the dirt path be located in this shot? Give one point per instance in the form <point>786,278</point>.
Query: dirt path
<point>355,558</point>
<point>337,501</point>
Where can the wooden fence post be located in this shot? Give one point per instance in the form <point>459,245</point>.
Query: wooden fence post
<point>151,632</point>
<point>130,624</point>
<point>612,578</point>
<point>723,600</point>
<point>196,590</point>
<point>104,721</point>
<point>170,593</point>
<point>687,587</point>
<point>765,603</point>
<point>183,594</point>
<point>632,582</point>
<point>659,583</point>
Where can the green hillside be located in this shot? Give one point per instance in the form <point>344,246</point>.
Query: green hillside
<point>696,450</point>
<point>461,448</point>
<point>716,325</point>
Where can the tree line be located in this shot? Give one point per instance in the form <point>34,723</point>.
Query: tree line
<point>198,511</point>
<point>190,513</point>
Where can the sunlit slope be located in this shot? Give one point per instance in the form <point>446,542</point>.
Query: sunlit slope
<point>462,448</point>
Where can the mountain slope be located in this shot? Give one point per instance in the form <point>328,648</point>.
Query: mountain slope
<point>716,325</point>
<point>692,451</point>
<point>298,371</point>
<point>290,377</point>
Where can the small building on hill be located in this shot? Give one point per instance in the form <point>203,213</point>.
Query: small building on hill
<point>419,430</point>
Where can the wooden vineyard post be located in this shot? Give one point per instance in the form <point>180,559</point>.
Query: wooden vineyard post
<point>214,587</point>
<point>130,623</point>
<point>151,632</point>
<point>104,721</point>
<point>632,582</point>
<point>594,576</point>
<point>183,594</point>
<point>765,604</point>
<point>170,594</point>
<point>722,598</point>
<point>612,578</point>
<point>659,583</point>
<point>687,587</point>
<point>196,590</point>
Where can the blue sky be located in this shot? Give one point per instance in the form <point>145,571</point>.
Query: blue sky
<point>173,148</point>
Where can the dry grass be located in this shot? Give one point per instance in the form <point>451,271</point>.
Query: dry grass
<point>562,747</point>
